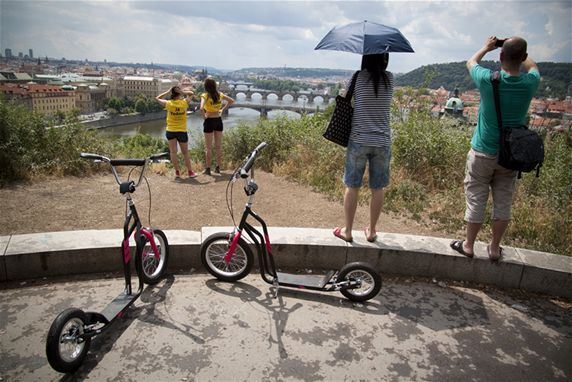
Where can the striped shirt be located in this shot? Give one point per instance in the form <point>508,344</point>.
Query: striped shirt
<point>370,123</point>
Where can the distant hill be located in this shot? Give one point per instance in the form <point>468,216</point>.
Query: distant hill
<point>301,73</point>
<point>556,77</point>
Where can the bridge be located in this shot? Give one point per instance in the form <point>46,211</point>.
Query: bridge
<point>302,102</point>
<point>263,108</point>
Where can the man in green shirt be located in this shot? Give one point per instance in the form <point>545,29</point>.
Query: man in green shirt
<point>483,174</point>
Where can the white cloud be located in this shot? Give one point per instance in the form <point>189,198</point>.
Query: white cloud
<point>235,34</point>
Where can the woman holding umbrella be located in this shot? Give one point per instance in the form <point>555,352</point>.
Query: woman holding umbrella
<point>370,137</point>
<point>370,142</point>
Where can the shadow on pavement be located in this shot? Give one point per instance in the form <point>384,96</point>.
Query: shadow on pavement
<point>155,294</point>
<point>103,343</point>
<point>249,294</point>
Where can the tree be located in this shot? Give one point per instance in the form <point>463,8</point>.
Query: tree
<point>141,106</point>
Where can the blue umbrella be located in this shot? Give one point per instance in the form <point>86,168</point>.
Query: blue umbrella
<point>365,38</point>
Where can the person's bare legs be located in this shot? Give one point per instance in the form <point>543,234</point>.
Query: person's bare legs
<point>173,154</point>
<point>498,229</point>
<point>185,150</point>
<point>350,206</point>
<point>375,210</point>
<point>472,232</point>
<point>208,149</point>
<point>218,147</point>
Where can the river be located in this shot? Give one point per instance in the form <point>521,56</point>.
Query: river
<point>236,115</point>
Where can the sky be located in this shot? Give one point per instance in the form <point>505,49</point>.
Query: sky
<point>238,34</point>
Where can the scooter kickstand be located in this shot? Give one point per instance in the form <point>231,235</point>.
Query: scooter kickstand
<point>276,287</point>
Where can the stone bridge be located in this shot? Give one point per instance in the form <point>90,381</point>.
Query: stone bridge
<point>310,97</point>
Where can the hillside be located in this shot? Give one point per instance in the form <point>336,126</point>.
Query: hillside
<point>556,77</point>
<point>292,72</point>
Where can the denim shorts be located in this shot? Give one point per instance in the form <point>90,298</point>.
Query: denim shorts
<point>377,158</point>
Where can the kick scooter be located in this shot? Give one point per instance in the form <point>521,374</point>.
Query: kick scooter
<point>71,332</point>
<point>228,257</point>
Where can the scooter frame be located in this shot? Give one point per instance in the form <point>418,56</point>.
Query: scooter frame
<point>94,323</point>
<point>267,266</point>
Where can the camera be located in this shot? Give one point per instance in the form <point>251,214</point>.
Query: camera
<point>500,42</point>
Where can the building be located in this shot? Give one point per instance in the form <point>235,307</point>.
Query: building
<point>8,53</point>
<point>31,53</point>
<point>89,98</point>
<point>45,99</point>
<point>15,77</point>
<point>148,86</point>
<point>15,93</point>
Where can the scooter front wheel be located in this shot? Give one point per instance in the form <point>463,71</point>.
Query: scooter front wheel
<point>150,267</point>
<point>65,348</point>
<point>213,254</point>
<point>363,272</point>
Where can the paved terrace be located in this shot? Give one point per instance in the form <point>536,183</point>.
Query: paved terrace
<point>41,255</point>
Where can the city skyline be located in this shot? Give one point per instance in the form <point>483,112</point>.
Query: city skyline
<point>235,35</point>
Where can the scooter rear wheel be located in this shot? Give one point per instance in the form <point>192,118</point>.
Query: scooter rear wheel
<point>65,349</point>
<point>213,252</point>
<point>370,279</point>
<point>148,266</point>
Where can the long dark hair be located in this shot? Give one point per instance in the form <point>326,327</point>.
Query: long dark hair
<point>376,64</point>
<point>210,87</point>
<point>176,92</point>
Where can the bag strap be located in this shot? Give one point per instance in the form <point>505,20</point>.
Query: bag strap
<point>495,80</point>
<point>350,92</point>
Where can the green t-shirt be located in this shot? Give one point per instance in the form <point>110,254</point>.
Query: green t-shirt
<point>515,95</point>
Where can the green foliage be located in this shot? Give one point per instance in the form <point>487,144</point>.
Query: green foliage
<point>140,146</point>
<point>428,151</point>
<point>139,103</point>
<point>277,85</point>
<point>406,195</point>
<point>556,77</point>
<point>31,145</point>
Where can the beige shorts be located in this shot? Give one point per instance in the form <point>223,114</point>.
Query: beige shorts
<point>482,174</point>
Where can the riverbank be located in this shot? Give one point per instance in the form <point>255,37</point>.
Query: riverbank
<point>124,119</point>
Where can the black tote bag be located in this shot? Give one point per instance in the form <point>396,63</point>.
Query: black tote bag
<point>340,125</point>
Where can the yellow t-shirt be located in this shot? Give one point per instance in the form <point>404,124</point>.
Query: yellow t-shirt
<point>210,106</point>
<point>177,115</point>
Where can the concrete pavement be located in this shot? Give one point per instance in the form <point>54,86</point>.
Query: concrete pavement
<point>76,252</point>
<point>191,327</point>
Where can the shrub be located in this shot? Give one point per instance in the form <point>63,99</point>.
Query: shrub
<point>31,145</point>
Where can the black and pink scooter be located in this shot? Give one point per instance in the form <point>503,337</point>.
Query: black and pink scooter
<point>71,332</point>
<point>227,256</point>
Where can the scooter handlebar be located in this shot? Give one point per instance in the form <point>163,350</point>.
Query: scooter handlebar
<point>250,160</point>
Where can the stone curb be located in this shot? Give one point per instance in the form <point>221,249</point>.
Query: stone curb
<point>75,252</point>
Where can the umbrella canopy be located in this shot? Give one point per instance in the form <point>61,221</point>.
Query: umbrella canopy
<point>365,38</point>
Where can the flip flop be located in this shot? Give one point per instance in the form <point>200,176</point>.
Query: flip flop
<point>372,239</point>
<point>494,257</point>
<point>457,245</point>
<point>338,234</point>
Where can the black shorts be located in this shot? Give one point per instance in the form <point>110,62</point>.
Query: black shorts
<point>212,124</point>
<point>178,135</point>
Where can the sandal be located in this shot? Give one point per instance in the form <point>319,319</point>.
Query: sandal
<point>494,257</point>
<point>370,239</point>
<point>338,234</point>
<point>457,245</point>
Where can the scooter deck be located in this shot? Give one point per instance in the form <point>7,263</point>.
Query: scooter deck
<point>118,304</point>
<point>310,281</point>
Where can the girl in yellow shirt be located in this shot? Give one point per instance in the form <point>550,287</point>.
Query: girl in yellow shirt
<point>177,126</point>
<point>212,109</point>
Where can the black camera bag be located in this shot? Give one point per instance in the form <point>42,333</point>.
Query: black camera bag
<point>520,149</point>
